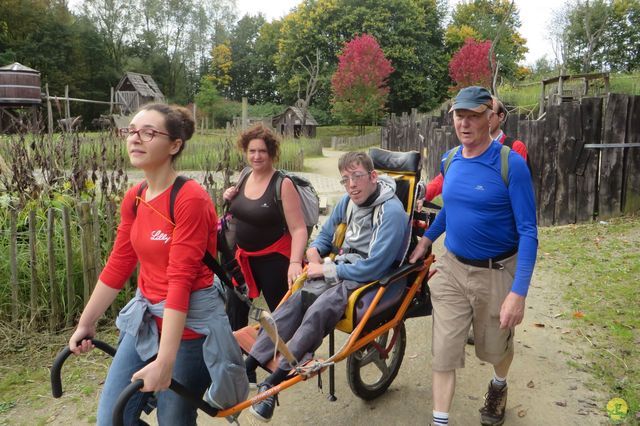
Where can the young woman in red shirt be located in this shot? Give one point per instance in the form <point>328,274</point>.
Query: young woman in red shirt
<point>175,326</point>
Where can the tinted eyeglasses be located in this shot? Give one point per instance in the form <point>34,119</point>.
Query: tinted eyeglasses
<point>145,135</point>
<point>355,178</point>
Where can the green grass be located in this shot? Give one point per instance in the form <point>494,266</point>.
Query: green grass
<point>599,266</point>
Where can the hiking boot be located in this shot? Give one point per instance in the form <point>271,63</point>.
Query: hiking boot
<point>495,401</point>
<point>253,380</point>
<point>264,409</point>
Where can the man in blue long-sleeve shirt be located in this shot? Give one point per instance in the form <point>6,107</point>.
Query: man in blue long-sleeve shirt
<point>376,237</point>
<point>491,242</point>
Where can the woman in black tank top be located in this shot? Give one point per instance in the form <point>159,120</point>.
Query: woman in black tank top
<point>274,242</point>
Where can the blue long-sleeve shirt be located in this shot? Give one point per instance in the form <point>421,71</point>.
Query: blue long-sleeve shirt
<point>483,217</point>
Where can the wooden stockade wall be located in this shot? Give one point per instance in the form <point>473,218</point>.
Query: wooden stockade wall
<point>572,183</point>
<point>355,142</point>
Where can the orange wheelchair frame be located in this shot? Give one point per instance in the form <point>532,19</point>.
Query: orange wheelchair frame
<point>368,341</point>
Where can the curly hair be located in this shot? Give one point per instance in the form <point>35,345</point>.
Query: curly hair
<point>260,131</point>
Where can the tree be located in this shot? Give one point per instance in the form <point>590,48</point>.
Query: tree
<point>245,65</point>
<point>313,70</point>
<point>599,34</point>
<point>490,20</point>
<point>469,65</point>
<point>359,84</point>
<point>208,97</point>
<point>409,31</point>
<point>221,67</point>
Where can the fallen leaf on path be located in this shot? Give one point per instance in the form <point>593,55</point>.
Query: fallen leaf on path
<point>413,356</point>
<point>582,412</point>
<point>578,314</point>
<point>538,324</point>
<point>573,387</point>
<point>565,331</point>
<point>531,384</point>
<point>527,346</point>
<point>561,403</point>
<point>558,315</point>
<point>522,413</point>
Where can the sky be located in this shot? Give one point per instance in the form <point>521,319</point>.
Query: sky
<point>534,15</point>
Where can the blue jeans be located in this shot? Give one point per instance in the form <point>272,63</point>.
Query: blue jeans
<point>189,369</point>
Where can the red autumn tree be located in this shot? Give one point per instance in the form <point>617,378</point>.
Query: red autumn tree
<point>470,66</point>
<point>359,84</point>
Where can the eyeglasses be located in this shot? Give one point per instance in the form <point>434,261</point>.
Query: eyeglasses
<point>145,135</point>
<point>355,178</point>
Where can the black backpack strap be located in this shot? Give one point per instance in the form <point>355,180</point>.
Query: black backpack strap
<point>177,186</point>
<point>141,189</point>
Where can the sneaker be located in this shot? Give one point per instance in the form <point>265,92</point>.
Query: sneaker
<point>253,381</point>
<point>264,409</point>
<point>495,402</point>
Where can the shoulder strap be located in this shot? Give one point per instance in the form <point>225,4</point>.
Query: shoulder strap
<point>141,188</point>
<point>450,156</point>
<point>177,186</point>
<point>504,163</point>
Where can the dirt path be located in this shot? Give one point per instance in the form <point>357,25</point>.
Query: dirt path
<point>544,390</point>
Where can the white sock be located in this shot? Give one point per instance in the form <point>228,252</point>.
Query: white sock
<point>440,418</point>
<point>500,381</point>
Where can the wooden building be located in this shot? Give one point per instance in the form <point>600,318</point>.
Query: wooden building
<point>135,90</point>
<point>20,98</point>
<point>289,123</point>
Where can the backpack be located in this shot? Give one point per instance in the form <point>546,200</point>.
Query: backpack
<point>209,260</point>
<point>504,162</point>
<point>508,141</point>
<point>309,199</point>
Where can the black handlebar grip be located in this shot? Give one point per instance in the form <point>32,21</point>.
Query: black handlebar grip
<point>123,399</point>
<point>56,367</point>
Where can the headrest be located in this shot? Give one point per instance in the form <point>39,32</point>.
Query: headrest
<point>399,162</point>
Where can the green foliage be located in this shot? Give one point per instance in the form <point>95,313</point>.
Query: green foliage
<point>599,265</point>
<point>601,35</point>
<point>481,19</point>
<point>207,97</point>
<point>409,31</point>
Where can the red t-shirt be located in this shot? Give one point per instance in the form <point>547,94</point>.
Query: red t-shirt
<point>170,257</point>
<point>434,187</point>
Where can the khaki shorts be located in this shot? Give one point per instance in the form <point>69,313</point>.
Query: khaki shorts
<point>462,294</point>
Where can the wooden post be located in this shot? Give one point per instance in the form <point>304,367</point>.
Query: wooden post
<point>111,101</point>
<point>67,106</point>
<point>245,113</point>
<point>13,264</point>
<point>195,117</point>
<point>86,244</point>
<point>97,252</point>
<point>68,260</point>
<point>54,314</point>
<point>49,112</point>
<point>631,188</point>
<point>612,159</point>
<point>33,294</point>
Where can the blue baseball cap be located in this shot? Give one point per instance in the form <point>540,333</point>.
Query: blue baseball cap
<point>474,98</point>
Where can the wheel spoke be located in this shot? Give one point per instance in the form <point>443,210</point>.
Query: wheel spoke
<point>372,355</point>
<point>382,366</point>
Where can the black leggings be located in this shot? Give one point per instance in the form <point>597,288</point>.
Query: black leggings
<point>270,274</point>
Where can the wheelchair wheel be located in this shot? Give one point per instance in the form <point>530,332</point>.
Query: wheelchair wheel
<point>369,371</point>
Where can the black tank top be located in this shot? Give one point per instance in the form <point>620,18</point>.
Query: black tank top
<point>259,223</point>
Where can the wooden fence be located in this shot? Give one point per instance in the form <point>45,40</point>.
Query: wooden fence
<point>355,142</point>
<point>575,180</point>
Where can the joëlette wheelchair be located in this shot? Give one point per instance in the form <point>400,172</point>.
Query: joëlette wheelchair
<point>374,317</point>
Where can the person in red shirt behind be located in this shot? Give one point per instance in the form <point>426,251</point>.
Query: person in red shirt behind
<point>434,187</point>
<point>175,326</point>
